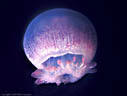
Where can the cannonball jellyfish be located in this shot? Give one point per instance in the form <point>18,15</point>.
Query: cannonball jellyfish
<point>61,43</point>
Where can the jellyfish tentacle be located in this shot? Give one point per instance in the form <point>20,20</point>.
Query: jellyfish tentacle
<point>38,73</point>
<point>39,81</point>
<point>91,67</point>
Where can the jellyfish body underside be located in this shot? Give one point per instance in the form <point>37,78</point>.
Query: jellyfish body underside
<point>61,44</point>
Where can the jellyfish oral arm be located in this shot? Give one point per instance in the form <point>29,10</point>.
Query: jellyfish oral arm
<point>52,74</point>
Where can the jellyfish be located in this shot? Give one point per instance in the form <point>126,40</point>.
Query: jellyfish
<point>61,43</point>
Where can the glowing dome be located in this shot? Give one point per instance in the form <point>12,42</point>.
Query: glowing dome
<point>61,44</point>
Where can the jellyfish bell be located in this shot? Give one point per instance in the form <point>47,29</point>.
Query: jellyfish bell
<point>60,41</point>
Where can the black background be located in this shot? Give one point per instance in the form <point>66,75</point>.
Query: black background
<point>15,69</point>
